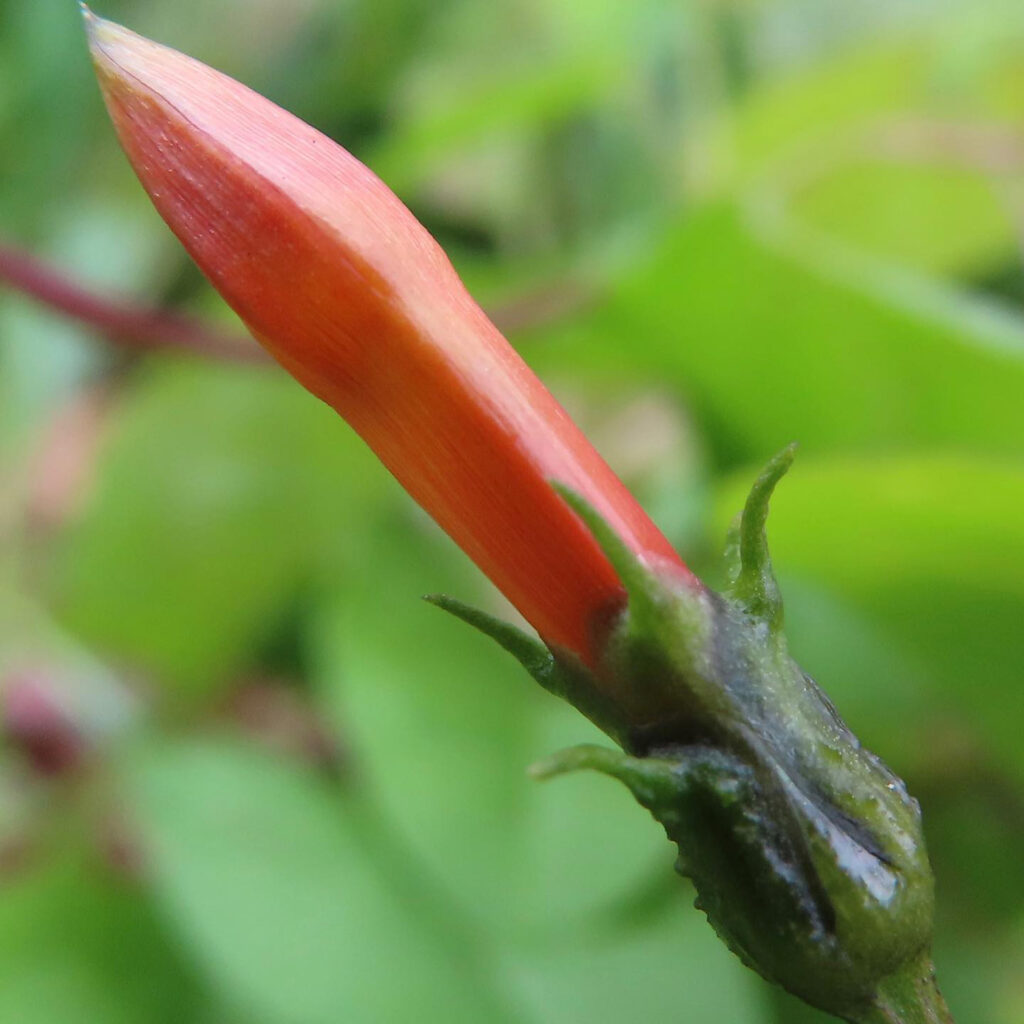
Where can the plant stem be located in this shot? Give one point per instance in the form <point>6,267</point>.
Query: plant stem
<point>910,997</point>
<point>130,326</point>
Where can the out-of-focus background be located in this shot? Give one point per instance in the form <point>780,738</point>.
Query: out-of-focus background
<point>246,776</point>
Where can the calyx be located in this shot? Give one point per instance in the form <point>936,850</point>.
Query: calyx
<point>806,851</point>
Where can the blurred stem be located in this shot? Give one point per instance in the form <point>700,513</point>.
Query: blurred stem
<point>123,324</point>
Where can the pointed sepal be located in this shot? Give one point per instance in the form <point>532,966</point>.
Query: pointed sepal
<point>754,585</point>
<point>527,650</point>
<point>636,578</point>
<point>559,673</point>
<point>663,633</point>
<point>651,780</point>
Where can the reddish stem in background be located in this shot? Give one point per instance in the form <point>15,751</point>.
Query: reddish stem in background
<point>139,327</point>
<point>121,323</point>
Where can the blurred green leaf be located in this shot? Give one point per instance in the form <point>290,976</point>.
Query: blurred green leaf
<point>45,141</point>
<point>980,977</point>
<point>957,65</point>
<point>274,882</point>
<point>815,106</point>
<point>504,72</point>
<point>671,968</point>
<point>80,946</point>
<point>216,497</point>
<point>939,218</point>
<point>868,523</point>
<point>521,99</point>
<point>771,349</point>
<point>448,724</point>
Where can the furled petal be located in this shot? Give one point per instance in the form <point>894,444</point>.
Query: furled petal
<point>348,291</point>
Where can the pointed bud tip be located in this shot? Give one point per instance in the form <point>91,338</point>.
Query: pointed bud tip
<point>101,33</point>
<point>90,19</point>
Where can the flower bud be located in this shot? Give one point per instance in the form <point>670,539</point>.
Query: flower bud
<point>354,298</point>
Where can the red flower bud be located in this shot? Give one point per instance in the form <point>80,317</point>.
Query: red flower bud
<point>347,290</point>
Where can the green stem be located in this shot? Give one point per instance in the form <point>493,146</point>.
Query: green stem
<point>910,997</point>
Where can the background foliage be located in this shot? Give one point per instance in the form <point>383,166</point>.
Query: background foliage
<point>247,775</point>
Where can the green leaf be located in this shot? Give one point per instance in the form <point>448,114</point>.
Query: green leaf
<point>772,348</point>
<point>671,967</point>
<point>522,101</point>
<point>286,900</point>
<point>217,496</point>
<point>492,74</point>
<point>814,107</point>
<point>79,946</point>
<point>937,217</point>
<point>448,724</point>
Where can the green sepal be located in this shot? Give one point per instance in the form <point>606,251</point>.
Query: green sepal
<point>753,581</point>
<point>533,655</point>
<point>636,578</point>
<point>558,672</point>
<point>663,627</point>
<point>651,780</point>
<point>805,850</point>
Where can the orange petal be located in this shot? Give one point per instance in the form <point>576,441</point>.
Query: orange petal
<point>348,291</point>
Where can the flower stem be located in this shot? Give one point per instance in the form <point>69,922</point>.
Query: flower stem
<point>911,996</point>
